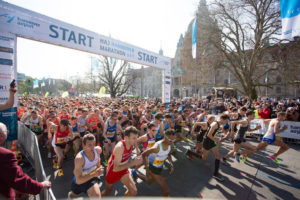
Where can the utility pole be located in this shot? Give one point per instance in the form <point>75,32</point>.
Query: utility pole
<point>142,82</point>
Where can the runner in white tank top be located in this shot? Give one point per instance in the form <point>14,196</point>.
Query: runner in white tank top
<point>87,170</point>
<point>270,137</point>
<point>154,159</point>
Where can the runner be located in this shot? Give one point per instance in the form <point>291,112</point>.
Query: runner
<point>110,131</point>
<point>270,137</point>
<point>62,134</point>
<point>95,124</point>
<point>55,120</point>
<point>118,164</point>
<point>87,169</point>
<point>159,126</point>
<point>36,124</point>
<point>210,143</point>
<point>154,159</point>
<point>82,122</point>
<point>199,130</point>
<point>239,138</point>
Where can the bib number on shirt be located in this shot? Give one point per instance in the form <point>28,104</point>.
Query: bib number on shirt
<point>110,134</point>
<point>158,163</point>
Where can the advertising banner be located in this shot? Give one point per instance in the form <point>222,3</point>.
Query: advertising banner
<point>32,25</point>
<point>8,72</point>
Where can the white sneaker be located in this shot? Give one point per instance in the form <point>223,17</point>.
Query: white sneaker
<point>49,155</point>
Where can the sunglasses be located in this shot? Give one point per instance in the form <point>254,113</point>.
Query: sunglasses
<point>170,139</point>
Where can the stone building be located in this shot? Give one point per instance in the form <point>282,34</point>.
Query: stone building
<point>198,76</point>
<point>148,82</point>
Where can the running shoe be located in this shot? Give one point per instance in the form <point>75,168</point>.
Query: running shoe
<point>244,158</point>
<point>55,166</point>
<point>225,162</point>
<point>237,157</point>
<point>105,163</point>
<point>218,178</point>
<point>275,159</point>
<point>186,139</point>
<point>60,172</point>
<point>189,156</point>
<point>240,150</point>
<point>133,174</point>
<point>174,147</point>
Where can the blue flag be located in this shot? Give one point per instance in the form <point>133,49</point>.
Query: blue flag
<point>267,76</point>
<point>290,14</point>
<point>43,82</point>
<point>194,38</point>
<point>35,83</point>
<point>95,63</point>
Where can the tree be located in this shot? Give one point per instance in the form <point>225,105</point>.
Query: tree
<point>26,86</point>
<point>115,76</point>
<point>64,85</point>
<point>246,28</point>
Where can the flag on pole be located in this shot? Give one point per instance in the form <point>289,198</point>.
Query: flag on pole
<point>194,39</point>
<point>65,94</point>
<point>47,93</point>
<point>267,76</point>
<point>43,82</point>
<point>95,63</point>
<point>101,92</point>
<point>229,77</point>
<point>290,17</point>
<point>35,83</point>
<point>49,81</point>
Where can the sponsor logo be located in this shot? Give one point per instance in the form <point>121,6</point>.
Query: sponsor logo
<point>3,87</point>
<point>8,17</point>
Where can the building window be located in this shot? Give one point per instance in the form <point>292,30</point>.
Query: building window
<point>278,79</point>
<point>278,90</point>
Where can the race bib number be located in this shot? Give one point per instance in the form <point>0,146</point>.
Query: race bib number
<point>158,162</point>
<point>60,140</point>
<point>150,144</point>
<point>110,134</point>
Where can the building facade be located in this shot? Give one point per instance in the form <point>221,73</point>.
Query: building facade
<point>197,76</point>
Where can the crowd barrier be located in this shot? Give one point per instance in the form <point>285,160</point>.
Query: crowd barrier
<point>28,145</point>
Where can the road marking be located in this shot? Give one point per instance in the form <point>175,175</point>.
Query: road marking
<point>278,180</point>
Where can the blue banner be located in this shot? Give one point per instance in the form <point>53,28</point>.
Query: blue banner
<point>10,118</point>
<point>194,38</point>
<point>290,14</point>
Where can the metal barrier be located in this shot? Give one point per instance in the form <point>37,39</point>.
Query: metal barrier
<point>28,144</point>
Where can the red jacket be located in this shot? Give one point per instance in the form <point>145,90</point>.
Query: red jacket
<point>12,176</point>
<point>265,113</point>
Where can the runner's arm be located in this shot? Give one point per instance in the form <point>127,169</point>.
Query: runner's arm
<point>146,153</point>
<point>105,130</point>
<point>211,130</point>
<point>277,128</point>
<point>80,179</point>
<point>99,150</point>
<point>118,152</point>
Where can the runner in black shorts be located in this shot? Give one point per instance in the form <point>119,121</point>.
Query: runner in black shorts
<point>199,130</point>
<point>210,144</point>
<point>87,170</point>
<point>239,138</point>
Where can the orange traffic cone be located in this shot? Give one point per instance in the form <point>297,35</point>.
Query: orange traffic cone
<point>13,147</point>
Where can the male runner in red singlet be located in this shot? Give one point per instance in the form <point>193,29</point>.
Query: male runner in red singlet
<point>117,168</point>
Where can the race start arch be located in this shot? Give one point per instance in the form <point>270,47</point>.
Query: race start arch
<point>19,22</point>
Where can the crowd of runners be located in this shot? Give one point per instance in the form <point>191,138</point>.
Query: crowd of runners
<point>105,132</point>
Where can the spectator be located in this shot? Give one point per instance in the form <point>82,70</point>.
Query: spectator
<point>12,176</point>
<point>264,112</point>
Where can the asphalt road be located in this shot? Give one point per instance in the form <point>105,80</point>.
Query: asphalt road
<point>258,178</point>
